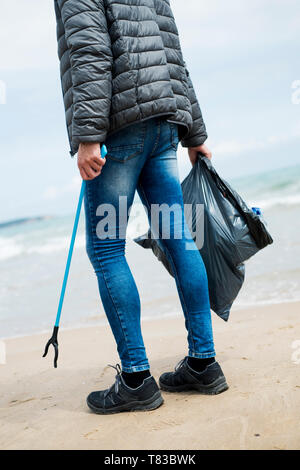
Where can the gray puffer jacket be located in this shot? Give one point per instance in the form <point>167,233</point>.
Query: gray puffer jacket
<point>121,62</point>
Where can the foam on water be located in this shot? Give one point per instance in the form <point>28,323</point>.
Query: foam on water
<point>9,248</point>
<point>13,247</point>
<point>270,190</point>
<point>56,244</point>
<point>277,201</point>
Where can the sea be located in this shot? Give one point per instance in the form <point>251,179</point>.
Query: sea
<point>33,254</point>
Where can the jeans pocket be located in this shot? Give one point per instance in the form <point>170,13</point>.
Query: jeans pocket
<point>126,143</point>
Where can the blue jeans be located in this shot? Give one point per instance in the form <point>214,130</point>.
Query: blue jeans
<point>143,157</point>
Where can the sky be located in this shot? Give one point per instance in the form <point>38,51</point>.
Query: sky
<point>243,58</point>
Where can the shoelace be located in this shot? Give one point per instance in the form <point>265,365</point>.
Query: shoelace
<point>116,385</point>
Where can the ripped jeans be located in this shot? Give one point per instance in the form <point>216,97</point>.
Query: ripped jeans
<point>143,157</point>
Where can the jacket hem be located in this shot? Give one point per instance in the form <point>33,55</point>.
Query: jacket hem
<point>183,125</point>
<point>110,133</point>
<point>194,141</point>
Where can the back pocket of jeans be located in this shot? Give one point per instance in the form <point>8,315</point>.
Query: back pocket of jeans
<point>126,143</point>
<point>174,135</point>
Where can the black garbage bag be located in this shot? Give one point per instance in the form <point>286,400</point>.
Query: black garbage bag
<point>232,233</point>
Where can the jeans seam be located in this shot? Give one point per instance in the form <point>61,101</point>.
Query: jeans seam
<point>137,152</point>
<point>104,277</point>
<point>174,136</point>
<point>176,274</point>
<point>138,148</point>
<point>202,355</point>
<point>136,368</point>
<point>179,286</point>
<point>156,141</point>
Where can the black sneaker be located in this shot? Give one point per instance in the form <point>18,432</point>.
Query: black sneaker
<point>119,397</point>
<point>209,382</point>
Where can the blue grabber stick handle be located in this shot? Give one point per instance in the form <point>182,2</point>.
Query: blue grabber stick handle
<point>53,340</point>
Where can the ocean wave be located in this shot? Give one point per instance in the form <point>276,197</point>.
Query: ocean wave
<point>287,299</point>
<point>56,244</point>
<point>277,201</point>
<point>13,247</point>
<point>9,248</point>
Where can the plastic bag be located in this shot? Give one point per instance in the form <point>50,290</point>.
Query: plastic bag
<point>232,234</point>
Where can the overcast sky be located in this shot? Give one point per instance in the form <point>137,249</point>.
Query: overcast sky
<point>243,56</point>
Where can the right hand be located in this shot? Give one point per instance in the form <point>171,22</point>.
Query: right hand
<point>203,149</point>
<point>89,160</point>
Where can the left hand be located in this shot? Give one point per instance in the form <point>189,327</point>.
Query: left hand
<point>203,149</point>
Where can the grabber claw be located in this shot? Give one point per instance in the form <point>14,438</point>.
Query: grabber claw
<point>53,341</point>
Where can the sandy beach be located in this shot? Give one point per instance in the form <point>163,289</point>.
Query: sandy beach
<point>43,408</point>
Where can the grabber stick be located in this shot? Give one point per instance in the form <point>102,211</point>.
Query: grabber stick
<point>53,340</point>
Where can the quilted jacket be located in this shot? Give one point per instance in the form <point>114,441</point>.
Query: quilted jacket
<point>121,62</point>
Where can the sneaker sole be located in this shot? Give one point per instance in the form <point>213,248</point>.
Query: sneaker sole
<point>148,405</point>
<point>216,387</point>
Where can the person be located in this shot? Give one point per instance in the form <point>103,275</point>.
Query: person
<point>125,84</point>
